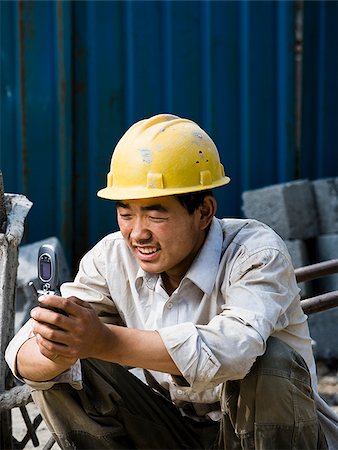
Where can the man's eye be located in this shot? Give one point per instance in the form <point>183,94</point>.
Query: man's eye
<point>125,216</point>
<point>157,219</point>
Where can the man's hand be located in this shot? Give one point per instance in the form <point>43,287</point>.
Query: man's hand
<point>60,340</point>
<point>79,334</point>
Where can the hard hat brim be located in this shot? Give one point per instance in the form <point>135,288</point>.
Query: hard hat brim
<point>123,193</point>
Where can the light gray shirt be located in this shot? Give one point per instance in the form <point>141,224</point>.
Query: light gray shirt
<point>240,290</point>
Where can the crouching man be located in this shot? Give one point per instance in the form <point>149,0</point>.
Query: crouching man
<point>205,310</point>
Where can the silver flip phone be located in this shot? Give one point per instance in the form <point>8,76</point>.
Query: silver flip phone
<point>48,275</point>
<point>48,270</point>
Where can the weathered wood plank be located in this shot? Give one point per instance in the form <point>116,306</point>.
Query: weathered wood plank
<point>15,398</point>
<point>3,215</point>
<point>13,211</point>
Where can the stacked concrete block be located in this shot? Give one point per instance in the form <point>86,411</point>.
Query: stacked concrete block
<point>299,257</point>
<point>28,271</point>
<point>326,243</point>
<point>305,215</point>
<point>326,247</point>
<point>326,197</point>
<point>324,325</point>
<point>287,208</point>
<point>298,252</point>
<point>323,330</point>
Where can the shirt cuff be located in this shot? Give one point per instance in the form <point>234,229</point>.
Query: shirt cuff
<point>25,333</point>
<point>72,376</point>
<point>191,355</point>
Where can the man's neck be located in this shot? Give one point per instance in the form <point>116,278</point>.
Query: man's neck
<point>170,283</point>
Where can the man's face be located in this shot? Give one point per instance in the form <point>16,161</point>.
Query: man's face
<point>161,233</point>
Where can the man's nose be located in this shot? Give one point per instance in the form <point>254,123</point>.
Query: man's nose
<point>139,231</point>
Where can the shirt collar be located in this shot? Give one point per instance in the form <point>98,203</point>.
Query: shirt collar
<point>203,270</point>
<point>149,279</point>
<point>207,261</point>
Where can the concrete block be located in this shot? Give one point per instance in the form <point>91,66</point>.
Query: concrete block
<point>298,252</point>
<point>324,325</point>
<point>28,271</point>
<point>288,208</point>
<point>326,247</point>
<point>326,196</point>
<point>299,256</point>
<point>323,330</point>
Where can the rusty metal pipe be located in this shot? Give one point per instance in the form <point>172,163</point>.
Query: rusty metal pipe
<point>317,270</point>
<point>320,302</point>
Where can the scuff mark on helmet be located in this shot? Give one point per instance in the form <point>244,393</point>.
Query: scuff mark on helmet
<point>197,134</point>
<point>146,155</point>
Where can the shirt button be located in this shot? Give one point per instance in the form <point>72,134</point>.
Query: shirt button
<point>179,392</point>
<point>169,305</point>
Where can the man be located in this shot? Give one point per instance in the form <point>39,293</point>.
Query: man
<point>208,308</point>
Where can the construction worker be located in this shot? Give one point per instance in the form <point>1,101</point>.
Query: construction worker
<point>183,331</point>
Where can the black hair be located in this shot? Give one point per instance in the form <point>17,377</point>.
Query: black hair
<point>192,200</point>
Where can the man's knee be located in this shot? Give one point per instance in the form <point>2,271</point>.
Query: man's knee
<point>281,360</point>
<point>282,385</point>
<point>274,402</point>
<point>59,406</point>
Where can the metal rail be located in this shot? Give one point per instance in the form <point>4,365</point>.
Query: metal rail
<point>324,301</point>
<point>320,302</point>
<point>317,270</point>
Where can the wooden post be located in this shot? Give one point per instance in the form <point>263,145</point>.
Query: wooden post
<point>13,210</point>
<point>5,417</point>
<point>3,215</point>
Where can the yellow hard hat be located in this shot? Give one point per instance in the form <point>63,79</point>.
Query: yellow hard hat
<point>163,155</point>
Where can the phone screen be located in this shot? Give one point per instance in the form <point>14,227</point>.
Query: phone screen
<point>45,266</point>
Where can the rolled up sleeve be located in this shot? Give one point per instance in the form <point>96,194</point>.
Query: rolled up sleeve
<point>208,355</point>
<point>25,333</point>
<point>191,355</point>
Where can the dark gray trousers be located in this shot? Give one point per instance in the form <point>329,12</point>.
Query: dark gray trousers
<point>271,408</point>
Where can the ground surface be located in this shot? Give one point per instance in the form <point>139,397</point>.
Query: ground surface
<point>19,428</point>
<point>328,388</point>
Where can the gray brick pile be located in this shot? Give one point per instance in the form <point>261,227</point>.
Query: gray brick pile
<point>305,214</point>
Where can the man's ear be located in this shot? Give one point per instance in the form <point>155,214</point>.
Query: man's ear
<point>207,211</point>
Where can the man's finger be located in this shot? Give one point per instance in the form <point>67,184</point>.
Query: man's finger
<point>79,302</point>
<point>48,316</point>
<point>50,332</point>
<point>68,305</point>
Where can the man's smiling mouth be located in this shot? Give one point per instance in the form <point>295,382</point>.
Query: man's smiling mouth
<point>147,250</point>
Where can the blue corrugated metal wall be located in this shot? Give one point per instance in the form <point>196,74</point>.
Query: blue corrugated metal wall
<point>319,157</point>
<point>75,75</point>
